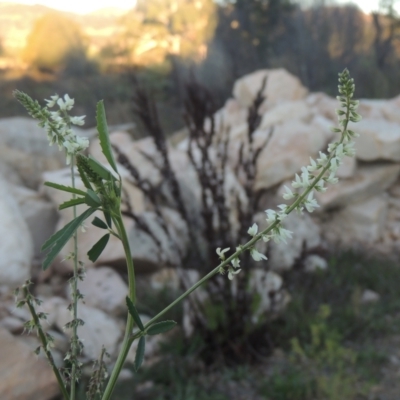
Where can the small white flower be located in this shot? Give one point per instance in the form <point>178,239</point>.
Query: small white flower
<point>319,187</point>
<point>78,120</point>
<point>52,102</point>
<point>280,234</point>
<point>313,165</point>
<point>221,252</point>
<point>339,151</point>
<point>266,238</point>
<point>332,146</point>
<point>349,150</point>
<point>282,214</point>
<point>311,204</point>
<point>331,179</point>
<point>257,256</point>
<point>253,230</point>
<point>271,216</point>
<point>82,143</point>
<point>232,272</point>
<point>297,183</point>
<point>323,158</point>
<point>305,176</point>
<point>236,263</point>
<point>289,194</point>
<point>66,104</point>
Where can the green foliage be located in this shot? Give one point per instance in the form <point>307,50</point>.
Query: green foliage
<point>135,315</point>
<point>56,242</point>
<point>327,361</point>
<point>94,253</point>
<point>289,383</point>
<point>53,40</point>
<point>140,353</point>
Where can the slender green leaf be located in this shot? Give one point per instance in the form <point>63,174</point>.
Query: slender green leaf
<point>60,239</point>
<point>97,249</point>
<point>71,203</point>
<point>68,189</point>
<point>91,199</point>
<point>161,327</point>
<point>100,169</point>
<point>139,353</point>
<point>107,216</point>
<point>52,239</point>
<point>104,136</point>
<point>84,178</point>
<point>99,223</point>
<point>135,315</point>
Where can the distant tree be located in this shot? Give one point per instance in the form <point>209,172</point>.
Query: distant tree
<point>158,28</point>
<point>54,40</point>
<point>387,30</point>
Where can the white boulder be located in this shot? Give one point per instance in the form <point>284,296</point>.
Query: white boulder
<point>16,245</point>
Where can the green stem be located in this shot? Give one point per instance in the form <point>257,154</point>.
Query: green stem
<point>74,340</point>
<point>45,346</point>
<point>129,337</point>
<point>246,246</point>
<point>126,344</point>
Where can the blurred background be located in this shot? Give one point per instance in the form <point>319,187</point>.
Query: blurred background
<point>92,53</point>
<point>318,321</point>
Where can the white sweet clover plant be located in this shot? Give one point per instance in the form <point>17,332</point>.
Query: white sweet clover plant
<point>313,177</point>
<point>103,192</point>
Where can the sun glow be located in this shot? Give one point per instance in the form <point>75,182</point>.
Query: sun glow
<point>78,6</point>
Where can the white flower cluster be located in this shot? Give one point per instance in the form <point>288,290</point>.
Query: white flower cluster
<point>59,128</point>
<point>314,176</point>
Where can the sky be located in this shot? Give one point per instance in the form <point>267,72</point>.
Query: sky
<point>78,6</point>
<point>85,6</point>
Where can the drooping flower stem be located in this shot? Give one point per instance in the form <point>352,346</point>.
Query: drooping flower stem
<point>127,342</point>
<point>349,115</point>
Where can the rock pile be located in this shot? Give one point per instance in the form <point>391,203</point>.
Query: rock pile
<point>364,207</point>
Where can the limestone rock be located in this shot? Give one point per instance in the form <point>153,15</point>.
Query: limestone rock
<point>359,222</point>
<point>280,86</point>
<point>39,214</point>
<point>22,375</point>
<point>390,109</point>
<point>289,149</point>
<point>99,330</point>
<point>369,180</point>
<point>295,110</point>
<point>165,278</point>
<point>369,296</point>
<point>104,288</point>
<point>306,235</point>
<point>323,105</point>
<point>24,146</point>
<point>152,251</point>
<point>371,109</point>
<point>314,262</point>
<point>9,174</point>
<point>267,285</point>
<point>16,247</point>
<point>347,169</point>
<point>378,140</point>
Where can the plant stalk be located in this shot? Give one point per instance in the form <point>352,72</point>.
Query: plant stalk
<point>43,339</point>
<point>126,344</point>
<point>74,340</point>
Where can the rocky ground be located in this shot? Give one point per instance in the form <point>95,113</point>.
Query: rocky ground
<point>363,208</point>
